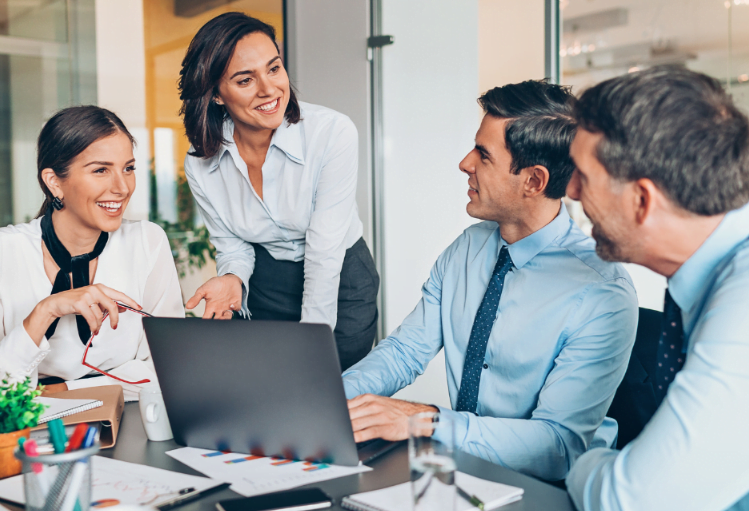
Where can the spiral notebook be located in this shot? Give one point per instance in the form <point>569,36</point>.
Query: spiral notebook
<point>398,498</point>
<point>58,408</point>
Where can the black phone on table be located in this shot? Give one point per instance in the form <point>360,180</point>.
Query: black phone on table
<point>296,500</point>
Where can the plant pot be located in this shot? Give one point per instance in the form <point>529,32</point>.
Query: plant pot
<point>9,465</point>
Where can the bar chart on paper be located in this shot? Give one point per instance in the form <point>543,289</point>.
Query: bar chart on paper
<point>251,475</point>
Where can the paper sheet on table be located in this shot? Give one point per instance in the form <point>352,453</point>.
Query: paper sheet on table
<point>254,475</point>
<point>118,482</point>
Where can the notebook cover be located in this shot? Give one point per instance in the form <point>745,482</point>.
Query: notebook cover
<point>109,414</point>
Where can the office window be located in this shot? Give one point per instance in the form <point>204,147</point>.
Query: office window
<point>605,38</point>
<point>47,61</point>
<point>169,26</point>
<point>601,39</point>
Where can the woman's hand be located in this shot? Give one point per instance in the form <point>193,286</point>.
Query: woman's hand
<point>222,295</point>
<point>89,302</point>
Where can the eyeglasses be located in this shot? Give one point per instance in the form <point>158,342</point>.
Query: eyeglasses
<point>93,334</point>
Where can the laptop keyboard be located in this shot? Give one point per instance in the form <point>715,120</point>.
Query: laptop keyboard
<point>366,443</point>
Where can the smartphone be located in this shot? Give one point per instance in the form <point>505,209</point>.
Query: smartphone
<point>296,500</point>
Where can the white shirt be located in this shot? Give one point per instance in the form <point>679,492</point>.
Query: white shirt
<point>136,261</point>
<point>694,452</point>
<point>308,211</point>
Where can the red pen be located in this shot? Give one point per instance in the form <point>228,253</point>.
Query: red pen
<point>77,437</point>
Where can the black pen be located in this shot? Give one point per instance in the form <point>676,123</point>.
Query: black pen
<point>473,499</point>
<point>187,497</point>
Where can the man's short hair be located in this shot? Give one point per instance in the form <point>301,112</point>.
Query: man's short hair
<point>540,128</point>
<point>675,127</point>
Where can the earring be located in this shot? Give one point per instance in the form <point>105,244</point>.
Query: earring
<point>57,203</point>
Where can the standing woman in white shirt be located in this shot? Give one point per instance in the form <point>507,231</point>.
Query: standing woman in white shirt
<point>275,181</point>
<point>62,271</point>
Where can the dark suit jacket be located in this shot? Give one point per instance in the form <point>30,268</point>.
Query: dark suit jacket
<point>634,402</point>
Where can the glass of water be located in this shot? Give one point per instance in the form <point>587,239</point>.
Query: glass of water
<point>431,440</point>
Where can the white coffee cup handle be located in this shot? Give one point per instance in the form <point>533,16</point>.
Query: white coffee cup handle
<point>152,412</point>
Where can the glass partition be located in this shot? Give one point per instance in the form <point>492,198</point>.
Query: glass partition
<point>601,39</point>
<point>40,67</point>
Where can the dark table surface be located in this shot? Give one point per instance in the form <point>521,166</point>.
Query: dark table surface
<point>392,468</point>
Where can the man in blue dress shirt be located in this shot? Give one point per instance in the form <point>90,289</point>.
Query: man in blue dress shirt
<point>663,174</point>
<point>537,329</point>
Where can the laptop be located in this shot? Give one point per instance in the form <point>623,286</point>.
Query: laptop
<point>269,388</point>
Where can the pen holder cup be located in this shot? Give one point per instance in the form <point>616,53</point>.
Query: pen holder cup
<point>58,482</point>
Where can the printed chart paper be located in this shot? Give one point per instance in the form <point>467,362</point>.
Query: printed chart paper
<point>115,482</point>
<point>254,475</point>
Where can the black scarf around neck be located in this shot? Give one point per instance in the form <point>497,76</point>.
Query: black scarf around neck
<point>77,265</point>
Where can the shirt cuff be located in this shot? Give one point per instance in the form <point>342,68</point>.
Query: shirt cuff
<point>585,480</point>
<point>350,389</point>
<point>460,426</point>
<point>129,392</point>
<point>244,276</point>
<point>20,355</point>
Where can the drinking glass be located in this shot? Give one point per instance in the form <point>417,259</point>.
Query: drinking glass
<point>431,440</point>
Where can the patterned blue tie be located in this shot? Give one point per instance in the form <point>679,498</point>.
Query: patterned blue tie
<point>670,357</point>
<point>468,394</point>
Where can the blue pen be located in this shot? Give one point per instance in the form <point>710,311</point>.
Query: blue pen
<point>90,438</point>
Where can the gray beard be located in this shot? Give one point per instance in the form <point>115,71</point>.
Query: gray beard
<point>606,248</point>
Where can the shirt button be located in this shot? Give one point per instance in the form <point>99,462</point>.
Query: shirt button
<point>486,366</point>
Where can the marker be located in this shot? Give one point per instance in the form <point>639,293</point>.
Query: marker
<point>31,449</point>
<point>70,502</point>
<point>77,437</point>
<point>57,435</point>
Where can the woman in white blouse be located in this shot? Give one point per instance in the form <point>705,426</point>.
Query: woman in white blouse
<point>60,273</point>
<point>275,180</point>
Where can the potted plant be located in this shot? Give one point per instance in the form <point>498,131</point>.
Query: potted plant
<point>18,413</point>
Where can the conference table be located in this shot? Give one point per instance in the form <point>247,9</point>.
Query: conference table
<point>390,469</point>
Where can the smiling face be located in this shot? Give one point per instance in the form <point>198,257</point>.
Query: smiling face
<point>255,87</point>
<point>495,192</point>
<point>606,201</point>
<point>99,183</point>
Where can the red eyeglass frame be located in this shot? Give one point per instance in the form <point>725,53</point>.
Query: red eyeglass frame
<point>93,334</point>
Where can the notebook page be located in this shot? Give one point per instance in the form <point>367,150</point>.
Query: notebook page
<point>57,408</point>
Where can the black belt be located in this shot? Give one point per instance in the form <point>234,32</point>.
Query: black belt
<point>52,380</point>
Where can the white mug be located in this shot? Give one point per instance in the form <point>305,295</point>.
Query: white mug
<point>153,414</point>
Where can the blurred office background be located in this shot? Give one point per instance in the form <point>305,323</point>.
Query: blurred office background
<point>412,97</point>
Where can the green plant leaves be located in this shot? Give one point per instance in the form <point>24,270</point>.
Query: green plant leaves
<point>18,410</point>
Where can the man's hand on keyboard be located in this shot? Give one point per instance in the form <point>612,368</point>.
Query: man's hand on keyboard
<point>382,417</point>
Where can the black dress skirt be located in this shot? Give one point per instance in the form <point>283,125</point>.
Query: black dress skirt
<point>276,288</point>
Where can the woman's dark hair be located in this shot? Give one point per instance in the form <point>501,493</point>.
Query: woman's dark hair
<point>540,128</point>
<point>676,127</point>
<point>66,135</point>
<point>203,66</point>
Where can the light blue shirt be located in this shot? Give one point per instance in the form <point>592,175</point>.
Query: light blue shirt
<point>557,351</point>
<point>694,452</point>
<point>308,211</point>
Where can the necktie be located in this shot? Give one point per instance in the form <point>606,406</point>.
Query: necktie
<point>670,357</point>
<point>77,265</point>
<point>482,327</point>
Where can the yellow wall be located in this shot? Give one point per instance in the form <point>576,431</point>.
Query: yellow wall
<point>511,42</point>
<point>167,37</point>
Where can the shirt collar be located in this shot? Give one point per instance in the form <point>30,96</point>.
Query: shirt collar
<point>690,281</point>
<point>287,138</point>
<point>529,247</point>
